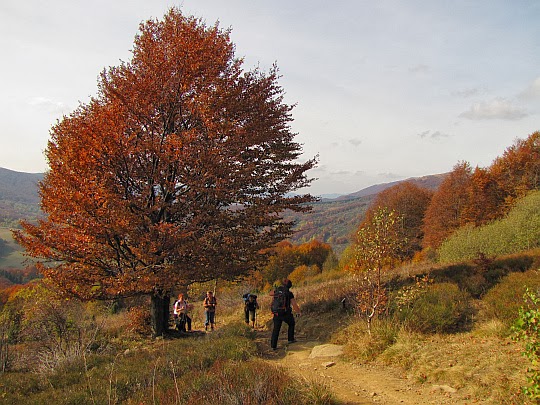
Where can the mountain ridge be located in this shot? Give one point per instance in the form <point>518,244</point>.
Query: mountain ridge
<point>332,220</point>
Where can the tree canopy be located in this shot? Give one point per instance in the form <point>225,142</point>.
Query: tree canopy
<point>176,171</point>
<point>479,196</point>
<point>444,213</point>
<point>410,203</point>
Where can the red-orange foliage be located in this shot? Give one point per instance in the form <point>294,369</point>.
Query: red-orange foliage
<point>483,195</point>
<point>444,213</point>
<point>485,199</point>
<point>285,257</point>
<point>518,169</point>
<point>410,202</point>
<point>314,252</point>
<point>176,172</point>
<point>8,292</point>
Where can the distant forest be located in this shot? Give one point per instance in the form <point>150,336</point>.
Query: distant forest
<point>331,221</point>
<point>19,198</point>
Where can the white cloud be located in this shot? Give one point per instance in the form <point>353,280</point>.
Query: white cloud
<point>531,92</point>
<point>390,176</point>
<point>433,134</point>
<point>499,108</point>
<point>419,69</point>
<point>341,173</point>
<point>48,105</point>
<point>469,92</point>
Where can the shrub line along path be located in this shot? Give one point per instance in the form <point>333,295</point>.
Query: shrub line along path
<point>352,384</point>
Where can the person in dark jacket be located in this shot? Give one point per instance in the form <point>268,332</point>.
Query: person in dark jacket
<point>285,314</point>
<point>250,309</point>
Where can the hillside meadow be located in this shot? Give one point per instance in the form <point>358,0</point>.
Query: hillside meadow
<point>13,257</point>
<point>457,308</point>
<point>440,327</point>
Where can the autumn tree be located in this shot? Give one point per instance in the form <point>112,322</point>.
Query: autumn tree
<point>286,257</point>
<point>410,202</point>
<point>177,171</point>
<point>485,200</point>
<point>314,253</point>
<point>378,246</point>
<point>445,211</point>
<point>517,171</point>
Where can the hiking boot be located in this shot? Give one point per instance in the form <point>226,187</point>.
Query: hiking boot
<point>293,341</point>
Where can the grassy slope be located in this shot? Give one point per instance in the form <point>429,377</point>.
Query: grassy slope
<point>483,364</point>
<point>15,259</point>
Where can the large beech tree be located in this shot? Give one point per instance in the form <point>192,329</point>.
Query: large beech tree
<point>177,171</point>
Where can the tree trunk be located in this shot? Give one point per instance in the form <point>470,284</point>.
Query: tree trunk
<point>159,312</point>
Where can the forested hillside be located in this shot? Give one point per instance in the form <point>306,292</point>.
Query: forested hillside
<point>331,221</point>
<point>18,197</point>
<point>334,220</point>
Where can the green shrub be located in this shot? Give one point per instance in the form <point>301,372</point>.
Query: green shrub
<point>518,231</point>
<point>527,329</point>
<point>479,275</point>
<point>455,273</point>
<point>440,308</point>
<point>505,299</point>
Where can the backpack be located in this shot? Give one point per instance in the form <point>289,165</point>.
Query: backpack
<point>280,301</point>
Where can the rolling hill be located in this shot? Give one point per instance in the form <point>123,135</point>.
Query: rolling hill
<point>19,197</point>
<point>332,220</point>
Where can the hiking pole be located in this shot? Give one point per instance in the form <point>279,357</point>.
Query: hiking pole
<point>215,285</point>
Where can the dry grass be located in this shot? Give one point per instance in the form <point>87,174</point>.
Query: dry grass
<point>484,364</point>
<point>487,368</point>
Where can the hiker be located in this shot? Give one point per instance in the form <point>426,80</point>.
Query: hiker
<point>209,305</point>
<point>250,308</point>
<point>180,315</point>
<point>283,303</point>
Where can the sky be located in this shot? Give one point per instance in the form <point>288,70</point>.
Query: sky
<point>384,90</point>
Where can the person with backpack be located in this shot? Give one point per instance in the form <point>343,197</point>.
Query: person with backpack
<point>283,302</point>
<point>209,305</point>
<point>250,308</point>
<point>180,314</point>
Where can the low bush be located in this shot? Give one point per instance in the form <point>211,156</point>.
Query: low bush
<point>527,330</point>
<point>364,345</point>
<point>505,299</point>
<point>481,274</point>
<point>440,308</point>
<point>518,231</point>
<point>302,272</point>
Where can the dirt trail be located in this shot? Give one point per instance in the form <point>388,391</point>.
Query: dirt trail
<point>354,384</point>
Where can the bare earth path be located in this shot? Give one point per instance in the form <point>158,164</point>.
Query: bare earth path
<point>353,384</point>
